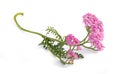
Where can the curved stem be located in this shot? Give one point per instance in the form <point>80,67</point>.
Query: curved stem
<point>23,28</point>
<point>84,40</point>
<point>43,36</point>
<point>85,37</point>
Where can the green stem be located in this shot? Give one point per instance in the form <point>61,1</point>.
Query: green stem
<point>89,47</point>
<point>23,28</point>
<point>84,42</point>
<point>43,36</point>
<point>73,48</point>
<point>85,37</point>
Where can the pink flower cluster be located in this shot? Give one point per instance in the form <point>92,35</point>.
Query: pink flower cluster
<point>96,30</point>
<point>72,41</point>
<point>72,54</point>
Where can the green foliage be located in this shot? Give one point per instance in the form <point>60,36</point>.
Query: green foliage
<point>53,31</point>
<point>80,56</point>
<point>54,46</point>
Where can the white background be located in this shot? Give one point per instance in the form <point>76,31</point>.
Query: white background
<point>20,53</point>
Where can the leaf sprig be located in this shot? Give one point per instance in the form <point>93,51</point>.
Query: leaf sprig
<point>55,47</point>
<point>53,31</point>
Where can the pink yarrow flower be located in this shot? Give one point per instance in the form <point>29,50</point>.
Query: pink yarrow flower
<point>71,54</point>
<point>96,30</point>
<point>72,41</point>
<point>90,19</point>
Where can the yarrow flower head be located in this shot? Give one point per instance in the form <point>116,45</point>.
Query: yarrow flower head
<point>95,28</point>
<point>72,41</point>
<point>72,54</point>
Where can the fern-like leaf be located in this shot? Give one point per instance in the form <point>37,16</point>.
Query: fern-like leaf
<point>56,49</point>
<point>54,32</point>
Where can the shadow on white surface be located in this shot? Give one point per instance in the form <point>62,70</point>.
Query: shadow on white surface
<point>59,64</point>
